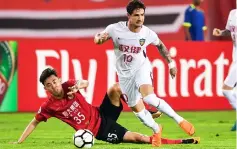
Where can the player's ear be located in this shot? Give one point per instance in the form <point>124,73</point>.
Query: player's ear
<point>128,15</point>
<point>60,80</point>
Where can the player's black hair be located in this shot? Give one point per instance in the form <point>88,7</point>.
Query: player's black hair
<point>134,4</point>
<point>47,73</point>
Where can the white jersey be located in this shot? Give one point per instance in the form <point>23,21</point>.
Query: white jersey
<point>232,27</point>
<point>130,47</point>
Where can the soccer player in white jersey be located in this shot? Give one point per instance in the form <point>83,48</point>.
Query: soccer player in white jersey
<point>231,79</point>
<point>134,68</point>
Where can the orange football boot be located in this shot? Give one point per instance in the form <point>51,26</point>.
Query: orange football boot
<point>156,138</point>
<point>187,127</point>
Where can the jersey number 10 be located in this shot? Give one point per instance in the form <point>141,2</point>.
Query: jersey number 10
<point>127,58</point>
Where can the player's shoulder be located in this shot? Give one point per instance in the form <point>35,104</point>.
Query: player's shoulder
<point>144,27</point>
<point>233,12</point>
<point>148,31</point>
<point>69,82</point>
<point>119,25</point>
<point>45,104</point>
<point>190,8</point>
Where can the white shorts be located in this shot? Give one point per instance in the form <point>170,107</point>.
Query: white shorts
<point>130,85</point>
<point>231,78</point>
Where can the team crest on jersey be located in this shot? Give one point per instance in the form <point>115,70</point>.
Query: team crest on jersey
<point>142,41</point>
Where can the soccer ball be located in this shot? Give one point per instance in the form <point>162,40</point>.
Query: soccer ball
<point>83,138</point>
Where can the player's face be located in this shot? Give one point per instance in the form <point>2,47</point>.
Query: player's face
<point>137,17</point>
<point>53,85</point>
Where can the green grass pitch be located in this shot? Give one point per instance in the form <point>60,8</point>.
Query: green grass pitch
<point>213,128</point>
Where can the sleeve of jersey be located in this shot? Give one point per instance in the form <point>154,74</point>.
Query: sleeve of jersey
<point>154,38</point>
<point>187,18</point>
<point>109,30</point>
<point>43,114</point>
<point>228,22</point>
<point>71,82</point>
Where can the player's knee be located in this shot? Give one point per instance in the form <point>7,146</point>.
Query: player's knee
<point>114,94</point>
<point>146,90</point>
<point>152,99</point>
<point>115,89</point>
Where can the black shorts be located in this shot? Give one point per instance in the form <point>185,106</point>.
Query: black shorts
<point>110,131</point>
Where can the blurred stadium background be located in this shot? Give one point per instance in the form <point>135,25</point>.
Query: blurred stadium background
<point>59,33</point>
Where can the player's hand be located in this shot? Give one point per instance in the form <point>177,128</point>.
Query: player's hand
<point>102,37</point>
<point>72,91</point>
<point>173,72</point>
<point>216,32</point>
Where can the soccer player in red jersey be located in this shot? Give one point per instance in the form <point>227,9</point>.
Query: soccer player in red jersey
<point>66,103</point>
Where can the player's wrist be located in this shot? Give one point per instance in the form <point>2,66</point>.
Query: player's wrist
<point>78,83</point>
<point>171,64</point>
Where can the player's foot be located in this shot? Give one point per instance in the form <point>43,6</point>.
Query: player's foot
<point>156,114</point>
<point>156,138</point>
<point>234,127</point>
<point>187,127</point>
<point>194,140</point>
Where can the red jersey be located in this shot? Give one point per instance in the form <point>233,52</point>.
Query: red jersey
<point>76,112</point>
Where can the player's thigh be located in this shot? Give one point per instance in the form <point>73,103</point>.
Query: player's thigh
<point>114,94</point>
<point>111,132</point>
<point>110,110</point>
<point>231,78</point>
<point>129,90</point>
<point>144,80</point>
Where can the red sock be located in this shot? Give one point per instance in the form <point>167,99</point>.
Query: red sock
<point>168,141</point>
<point>151,140</point>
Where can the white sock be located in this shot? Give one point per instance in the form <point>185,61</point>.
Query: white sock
<point>162,106</point>
<point>231,96</point>
<point>146,118</point>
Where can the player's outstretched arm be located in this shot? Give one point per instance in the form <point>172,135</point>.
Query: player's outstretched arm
<point>217,32</point>
<point>166,55</point>
<point>164,52</point>
<point>29,129</point>
<point>82,84</point>
<point>100,38</point>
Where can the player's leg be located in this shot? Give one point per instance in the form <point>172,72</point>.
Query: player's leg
<point>146,118</point>
<point>114,94</point>
<point>111,106</point>
<point>133,99</point>
<point>112,132</point>
<point>144,83</point>
<point>150,98</point>
<point>228,87</point>
<point>134,137</point>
